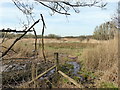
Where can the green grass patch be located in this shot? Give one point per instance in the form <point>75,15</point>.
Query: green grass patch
<point>108,85</point>
<point>67,69</point>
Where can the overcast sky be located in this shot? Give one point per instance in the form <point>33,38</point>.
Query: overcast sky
<point>76,24</point>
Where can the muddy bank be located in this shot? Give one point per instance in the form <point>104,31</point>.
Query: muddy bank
<point>17,73</point>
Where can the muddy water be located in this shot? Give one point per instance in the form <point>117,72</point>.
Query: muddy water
<point>76,67</point>
<point>75,70</point>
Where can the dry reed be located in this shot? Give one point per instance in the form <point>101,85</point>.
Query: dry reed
<point>103,58</point>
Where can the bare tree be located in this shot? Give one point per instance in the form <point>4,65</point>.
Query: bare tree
<point>116,17</point>
<point>57,6</point>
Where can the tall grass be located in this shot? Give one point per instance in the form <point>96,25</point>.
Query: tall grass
<point>103,58</point>
<point>24,48</point>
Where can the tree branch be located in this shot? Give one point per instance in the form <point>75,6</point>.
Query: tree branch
<point>7,48</point>
<point>35,41</point>
<point>80,4</point>
<point>52,8</point>
<point>43,50</point>
<point>10,30</point>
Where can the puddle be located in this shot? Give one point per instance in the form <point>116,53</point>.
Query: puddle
<point>48,74</point>
<point>76,67</point>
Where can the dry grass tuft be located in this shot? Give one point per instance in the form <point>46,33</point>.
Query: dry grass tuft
<point>24,48</point>
<point>103,58</point>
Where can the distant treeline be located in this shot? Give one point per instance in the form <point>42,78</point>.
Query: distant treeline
<point>104,31</point>
<point>54,36</point>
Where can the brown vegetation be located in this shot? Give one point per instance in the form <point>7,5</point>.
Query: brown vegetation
<point>103,60</point>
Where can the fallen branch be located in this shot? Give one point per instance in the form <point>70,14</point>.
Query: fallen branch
<point>19,39</point>
<point>70,79</point>
<point>7,48</point>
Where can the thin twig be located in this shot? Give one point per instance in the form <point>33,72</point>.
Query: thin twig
<point>62,7</point>
<point>17,6</point>
<point>52,8</point>
<point>23,6</point>
<point>80,5</point>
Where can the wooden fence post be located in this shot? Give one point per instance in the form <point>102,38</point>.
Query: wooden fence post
<point>57,61</point>
<point>57,68</point>
<point>37,75</point>
<point>33,73</point>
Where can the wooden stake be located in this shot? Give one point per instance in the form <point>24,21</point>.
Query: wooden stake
<point>70,79</point>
